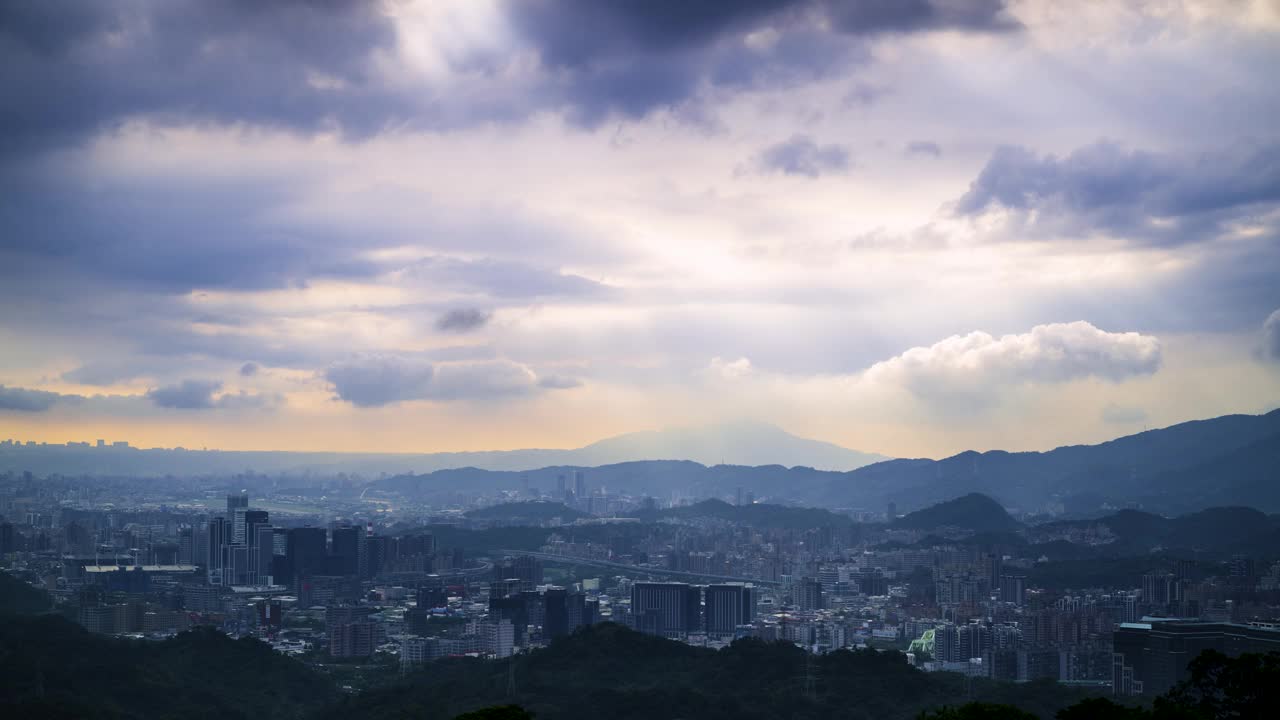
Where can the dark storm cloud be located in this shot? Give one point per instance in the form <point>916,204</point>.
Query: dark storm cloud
<point>24,400</point>
<point>186,395</point>
<point>924,147</point>
<point>249,369</point>
<point>69,69</point>
<point>800,155</point>
<point>165,237</point>
<point>1153,197</point>
<point>462,320</point>
<point>630,57</point>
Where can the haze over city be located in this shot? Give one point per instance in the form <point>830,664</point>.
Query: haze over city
<point>908,229</point>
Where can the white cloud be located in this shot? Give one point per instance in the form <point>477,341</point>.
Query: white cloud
<point>975,365</point>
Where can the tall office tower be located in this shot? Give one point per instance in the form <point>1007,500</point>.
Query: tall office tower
<point>560,486</point>
<point>376,550</point>
<point>186,546</point>
<point>727,607</point>
<point>995,571</point>
<point>809,594</point>
<point>237,505</point>
<point>555,621</point>
<point>304,552</point>
<point>579,484</point>
<point>262,555</point>
<point>670,610</point>
<point>892,511</point>
<point>217,560</point>
<point>563,612</point>
<point>345,550</point>
<point>738,501</point>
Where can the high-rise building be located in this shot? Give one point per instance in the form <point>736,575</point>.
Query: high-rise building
<point>345,551</point>
<point>1158,653</point>
<point>525,568</point>
<point>579,484</point>
<point>726,607</point>
<point>498,637</point>
<point>1013,589</point>
<point>671,610</point>
<point>237,506</point>
<point>995,571</point>
<point>348,640</point>
<point>809,594</point>
<point>304,553</point>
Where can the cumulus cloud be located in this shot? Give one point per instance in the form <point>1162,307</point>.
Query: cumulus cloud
<point>378,380</point>
<point>249,369</point>
<point>24,400</point>
<point>978,364</point>
<point>800,155</point>
<point>204,395</point>
<point>1106,188</point>
<point>924,147</point>
<point>462,320</point>
<point>1271,337</point>
<point>186,395</point>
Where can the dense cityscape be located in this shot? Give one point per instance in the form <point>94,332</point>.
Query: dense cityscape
<point>366,586</point>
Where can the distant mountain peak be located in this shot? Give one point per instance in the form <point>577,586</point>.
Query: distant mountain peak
<point>742,441</point>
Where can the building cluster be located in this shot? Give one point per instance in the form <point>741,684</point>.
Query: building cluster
<point>347,581</point>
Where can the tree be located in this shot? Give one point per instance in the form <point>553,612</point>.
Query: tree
<point>497,712</point>
<point>1101,709</point>
<point>1220,687</point>
<point>978,711</point>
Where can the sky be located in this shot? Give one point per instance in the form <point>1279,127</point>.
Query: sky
<point>909,227</point>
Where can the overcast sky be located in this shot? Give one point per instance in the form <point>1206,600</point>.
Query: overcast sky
<point>909,227</point>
